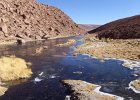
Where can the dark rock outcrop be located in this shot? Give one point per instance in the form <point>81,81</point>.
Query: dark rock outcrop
<point>32,20</point>
<point>127,28</point>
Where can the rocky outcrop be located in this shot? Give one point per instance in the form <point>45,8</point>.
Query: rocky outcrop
<point>29,19</point>
<point>81,90</point>
<point>127,28</point>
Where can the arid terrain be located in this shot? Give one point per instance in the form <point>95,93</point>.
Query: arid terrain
<point>88,27</point>
<point>126,28</point>
<point>31,20</point>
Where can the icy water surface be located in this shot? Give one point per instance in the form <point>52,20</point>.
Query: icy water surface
<point>57,63</point>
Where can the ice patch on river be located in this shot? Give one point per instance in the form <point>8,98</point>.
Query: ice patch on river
<point>97,90</point>
<point>127,63</point>
<point>77,72</point>
<point>37,79</point>
<point>53,76</point>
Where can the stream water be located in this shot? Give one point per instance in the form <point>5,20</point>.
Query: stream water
<point>57,63</point>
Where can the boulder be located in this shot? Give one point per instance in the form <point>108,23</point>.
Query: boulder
<point>45,37</point>
<point>21,41</point>
<point>3,28</point>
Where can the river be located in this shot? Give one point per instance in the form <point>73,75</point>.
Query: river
<point>57,63</point>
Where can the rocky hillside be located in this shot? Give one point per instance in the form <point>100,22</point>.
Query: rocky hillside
<point>127,28</point>
<point>88,27</point>
<point>29,19</point>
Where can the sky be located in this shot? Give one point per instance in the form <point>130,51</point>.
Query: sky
<point>96,11</point>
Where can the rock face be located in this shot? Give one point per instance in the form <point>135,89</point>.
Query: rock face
<point>82,90</point>
<point>127,28</point>
<point>29,19</point>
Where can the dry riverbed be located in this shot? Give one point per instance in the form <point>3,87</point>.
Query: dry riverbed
<point>12,68</point>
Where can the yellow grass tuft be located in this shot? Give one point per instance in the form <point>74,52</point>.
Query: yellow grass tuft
<point>39,50</point>
<point>69,42</point>
<point>13,68</point>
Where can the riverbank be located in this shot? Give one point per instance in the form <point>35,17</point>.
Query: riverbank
<point>81,90</point>
<point>108,48</point>
<point>12,40</point>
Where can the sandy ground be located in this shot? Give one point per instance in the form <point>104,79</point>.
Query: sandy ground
<point>105,48</point>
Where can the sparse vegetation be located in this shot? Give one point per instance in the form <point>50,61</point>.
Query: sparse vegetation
<point>39,50</point>
<point>109,48</point>
<point>69,42</point>
<point>13,68</point>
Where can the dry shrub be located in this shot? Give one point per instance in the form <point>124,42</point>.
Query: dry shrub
<point>13,68</point>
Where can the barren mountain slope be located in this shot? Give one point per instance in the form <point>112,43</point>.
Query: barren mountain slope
<point>127,28</point>
<point>88,27</point>
<point>29,19</point>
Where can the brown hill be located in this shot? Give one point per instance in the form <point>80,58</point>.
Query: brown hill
<point>29,19</point>
<point>88,27</point>
<point>127,28</point>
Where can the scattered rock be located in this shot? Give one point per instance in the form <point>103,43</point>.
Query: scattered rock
<point>45,47</point>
